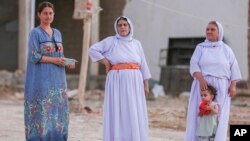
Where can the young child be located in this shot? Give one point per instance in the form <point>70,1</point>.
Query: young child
<point>208,114</point>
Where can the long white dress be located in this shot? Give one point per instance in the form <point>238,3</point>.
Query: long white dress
<point>125,115</point>
<point>218,65</point>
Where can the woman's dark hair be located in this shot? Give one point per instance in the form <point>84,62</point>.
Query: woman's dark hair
<point>40,8</point>
<point>122,18</point>
<point>44,4</point>
<point>214,23</point>
<point>212,90</point>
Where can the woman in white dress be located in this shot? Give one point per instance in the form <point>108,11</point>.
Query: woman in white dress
<point>125,115</point>
<point>213,62</point>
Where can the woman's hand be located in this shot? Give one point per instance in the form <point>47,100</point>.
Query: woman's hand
<point>146,87</point>
<point>107,67</point>
<point>232,89</point>
<point>202,81</point>
<point>203,84</point>
<point>54,60</point>
<point>71,66</point>
<point>106,63</point>
<point>59,61</point>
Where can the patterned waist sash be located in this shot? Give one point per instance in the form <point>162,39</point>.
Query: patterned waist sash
<point>125,66</point>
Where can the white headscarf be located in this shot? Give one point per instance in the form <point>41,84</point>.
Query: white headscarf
<point>221,32</point>
<point>129,37</point>
<point>208,43</point>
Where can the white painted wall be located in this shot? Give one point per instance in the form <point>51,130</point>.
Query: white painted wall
<point>155,21</point>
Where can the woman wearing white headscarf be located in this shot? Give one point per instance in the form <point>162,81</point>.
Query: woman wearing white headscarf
<point>213,62</point>
<point>125,111</point>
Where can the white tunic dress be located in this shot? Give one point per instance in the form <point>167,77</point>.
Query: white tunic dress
<point>125,113</point>
<point>219,67</point>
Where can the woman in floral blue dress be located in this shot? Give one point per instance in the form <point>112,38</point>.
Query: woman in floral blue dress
<point>46,102</point>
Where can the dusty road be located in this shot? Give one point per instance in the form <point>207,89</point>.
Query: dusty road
<point>166,118</point>
<point>88,127</point>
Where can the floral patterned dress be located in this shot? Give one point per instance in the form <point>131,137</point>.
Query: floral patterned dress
<point>46,102</point>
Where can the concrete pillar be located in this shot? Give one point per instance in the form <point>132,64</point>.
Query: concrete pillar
<point>26,23</point>
<point>93,67</point>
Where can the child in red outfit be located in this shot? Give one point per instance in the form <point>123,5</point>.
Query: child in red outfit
<point>208,114</point>
<point>204,110</point>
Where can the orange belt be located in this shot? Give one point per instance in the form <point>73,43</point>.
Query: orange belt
<point>125,66</point>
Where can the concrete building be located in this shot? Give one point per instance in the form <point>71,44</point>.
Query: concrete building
<point>159,22</point>
<point>168,31</point>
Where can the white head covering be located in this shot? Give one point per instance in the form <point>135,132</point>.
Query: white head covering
<point>129,37</point>
<point>208,43</point>
<point>221,32</point>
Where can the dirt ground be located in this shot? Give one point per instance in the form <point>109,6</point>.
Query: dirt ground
<point>167,117</point>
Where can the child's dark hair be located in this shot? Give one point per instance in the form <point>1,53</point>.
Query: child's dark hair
<point>212,90</point>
